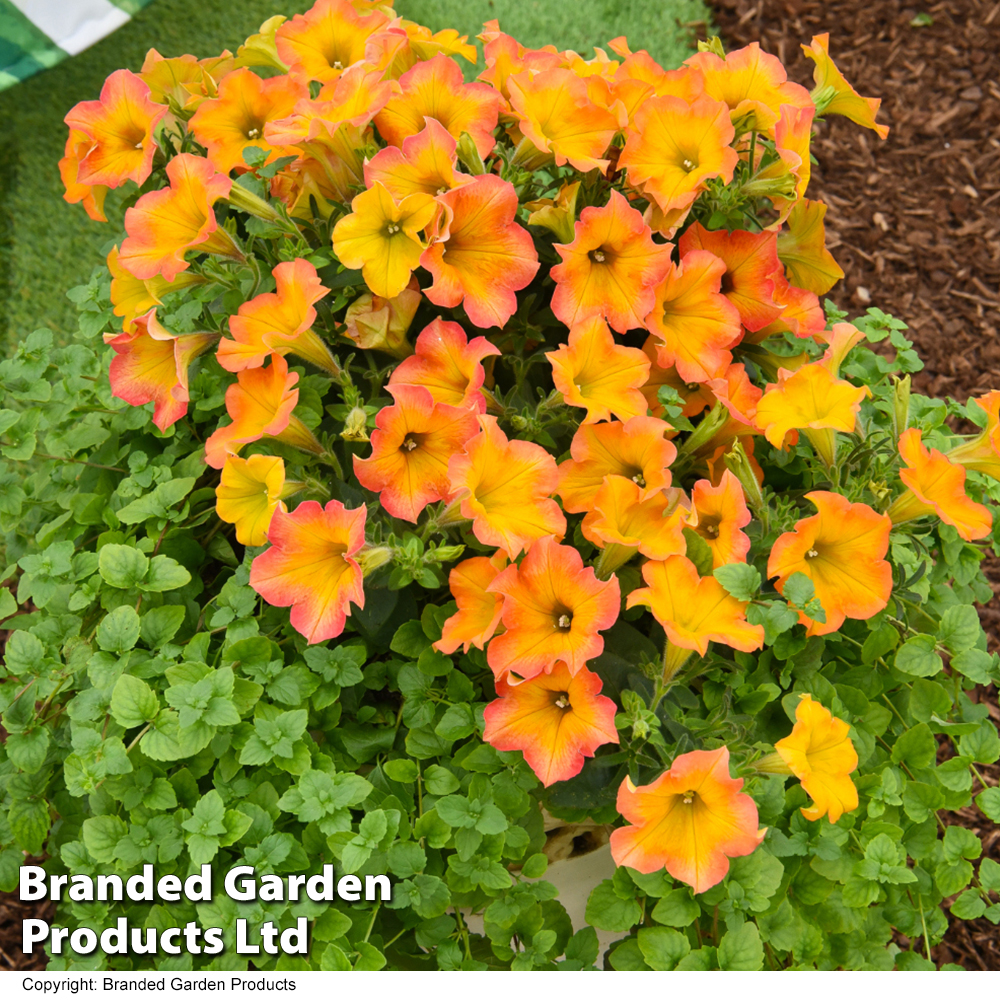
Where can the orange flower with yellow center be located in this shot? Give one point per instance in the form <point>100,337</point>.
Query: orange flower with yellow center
<point>151,366</point>
<point>250,491</point>
<point>594,372</point>
<point>674,149</point>
<point>636,450</point>
<point>719,514</point>
<point>505,56</point>
<point>310,566</point>
<point>120,128</point>
<point>982,453</point>
<point>622,523</point>
<point>448,365</point>
<point>78,144</point>
<point>556,720</point>
<point>375,323</point>
<point>834,95</point>
<point>504,487</point>
<point>486,257</point>
<point>327,39</point>
<point>234,121</point>
<point>819,752</point>
<point>279,322</point>
<point>610,268</point>
<point>163,225</point>
<point>478,615</point>
<point>436,89</point>
<point>842,550</point>
<point>936,486</point>
<point>751,259</point>
<point>814,401</point>
<point>556,115</point>
<point>694,610</point>
<point>426,163</point>
<point>260,404</point>
<point>411,448</point>
<point>177,79</point>
<point>693,322</point>
<point>752,83</point>
<point>381,237</point>
<point>802,248</point>
<point>691,820</point>
<point>554,609</point>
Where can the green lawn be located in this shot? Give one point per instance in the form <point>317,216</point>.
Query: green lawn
<point>47,246</point>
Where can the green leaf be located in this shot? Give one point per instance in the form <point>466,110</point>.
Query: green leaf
<point>406,859</point>
<point>122,566</point>
<point>917,657</point>
<point>959,842</point>
<point>662,948</point>
<point>883,640</point>
<point>7,603</point>
<point>989,803</point>
<point>699,552</point>
<point>165,574</point>
<point>119,630</point>
<point>916,747</point>
<point>989,875</point>
<point>799,590</point>
<point>160,625</point>
<point>983,746</point>
<point>535,866</point>
<point>968,906</point>
<point>439,780</point>
<point>607,911</point>
<point>101,835</point>
<point>676,909</point>
<point>402,770</point>
<point>410,640</point>
<point>133,702</point>
<point>741,950</point>
<point>157,503</point>
<point>960,628</point>
<point>28,750</point>
<point>741,580</point>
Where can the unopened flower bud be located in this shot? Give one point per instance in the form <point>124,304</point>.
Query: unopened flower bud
<point>901,403</point>
<point>355,426</point>
<point>371,557</point>
<point>469,154</point>
<point>738,463</point>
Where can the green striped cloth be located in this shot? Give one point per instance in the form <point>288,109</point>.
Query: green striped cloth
<point>36,34</point>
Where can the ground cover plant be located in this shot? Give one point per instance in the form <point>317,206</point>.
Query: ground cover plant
<point>433,453</point>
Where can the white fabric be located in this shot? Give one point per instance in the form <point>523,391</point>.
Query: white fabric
<point>73,25</point>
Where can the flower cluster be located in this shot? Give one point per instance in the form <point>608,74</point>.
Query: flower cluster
<point>565,316</point>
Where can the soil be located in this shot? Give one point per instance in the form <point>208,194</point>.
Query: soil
<point>914,221</point>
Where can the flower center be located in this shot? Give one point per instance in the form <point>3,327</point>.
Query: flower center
<point>254,133</point>
<point>727,285</point>
<point>442,190</point>
<point>392,228</point>
<point>138,145</point>
<point>689,164</point>
<point>564,622</point>
<point>812,554</point>
<point>561,700</point>
<point>688,798</point>
<point>598,256</point>
<point>639,480</point>
<point>410,442</point>
<point>338,65</point>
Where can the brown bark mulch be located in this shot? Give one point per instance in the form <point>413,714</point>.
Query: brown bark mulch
<point>914,222</point>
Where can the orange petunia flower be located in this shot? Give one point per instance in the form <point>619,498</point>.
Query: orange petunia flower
<point>234,121</point>
<point>814,401</point>
<point>415,440</point>
<point>260,404</point>
<point>163,225</point>
<point>622,522</point>
<point>819,752</point>
<point>151,366</point>
<point>375,323</point>
<point>840,339</point>
<point>176,79</point>
<point>324,41</point>
<point>448,365</point>
<point>834,95</point>
<point>610,268</point>
<point>478,615</point>
<point>801,314</point>
<point>557,720</point>
<point>752,83</point>
<point>554,609</point>
<point>694,323</point>
<point>751,260</point>
<point>250,491</point>
<point>721,511</point>
<point>693,610</point>
<point>675,148</point>
<point>691,820</point>
<point>425,163</point>
<point>841,549</point>
<point>636,449</point>
<point>982,453</point>
<point>310,566</point>
<point>78,144</point>
<point>788,176</point>
<point>696,396</point>
<point>279,322</point>
<point>504,488</point>
<point>936,486</point>
<point>381,237</point>
<point>120,128</point>
<point>556,115</point>
<point>802,248</point>
<point>505,56</point>
<point>436,89</point>
<point>486,257</point>
<point>133,297</point>
<point>594,372</point>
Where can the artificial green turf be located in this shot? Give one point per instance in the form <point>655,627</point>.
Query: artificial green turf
<point>47,246</point>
